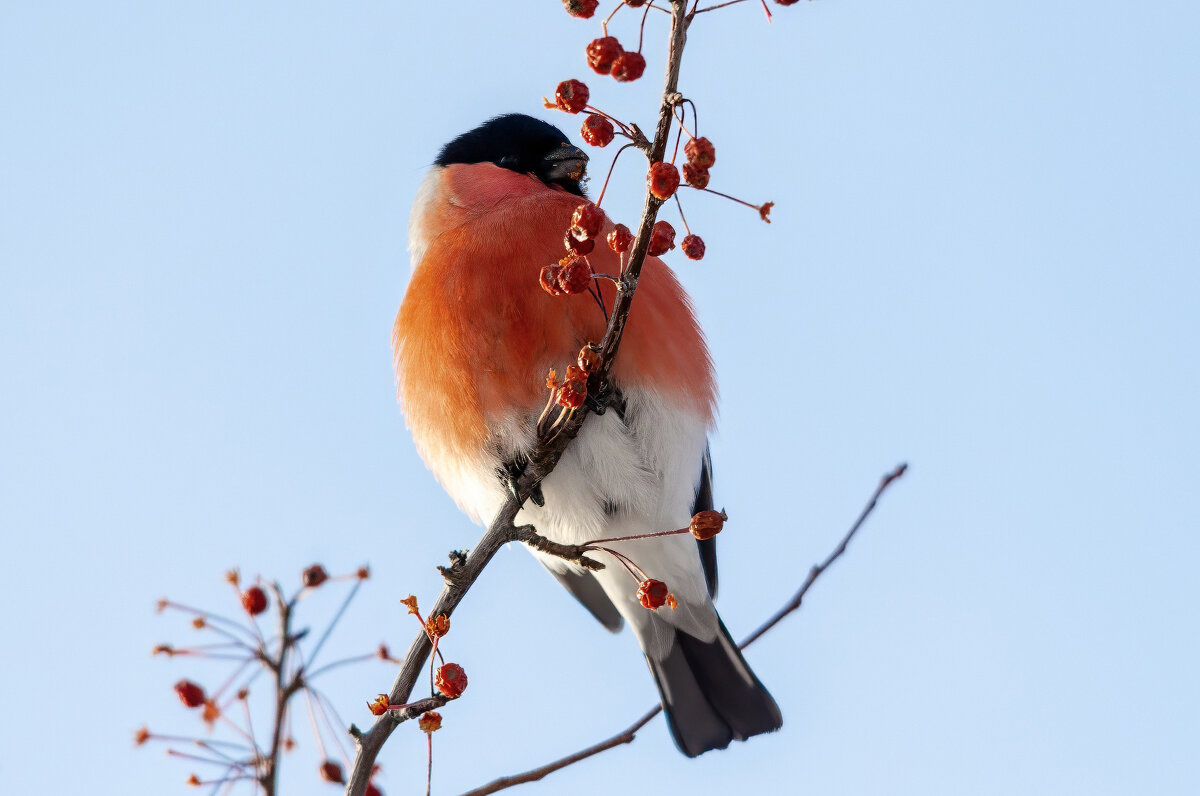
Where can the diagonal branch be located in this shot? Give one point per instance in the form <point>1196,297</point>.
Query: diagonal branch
<point>629,733</point>
<point>465,571</point>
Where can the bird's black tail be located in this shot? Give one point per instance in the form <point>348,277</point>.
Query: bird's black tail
<point>710,695</point>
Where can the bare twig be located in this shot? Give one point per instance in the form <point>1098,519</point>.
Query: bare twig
<point>629,733</point>
<point>542,460</point>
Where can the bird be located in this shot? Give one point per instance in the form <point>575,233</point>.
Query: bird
<point>473,340</point>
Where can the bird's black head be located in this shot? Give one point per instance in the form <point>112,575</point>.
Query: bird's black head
<point>522,144</point>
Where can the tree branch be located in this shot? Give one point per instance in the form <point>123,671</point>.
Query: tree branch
<point>627,735</point>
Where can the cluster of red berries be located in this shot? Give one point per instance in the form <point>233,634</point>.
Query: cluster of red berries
<point>606,56</point>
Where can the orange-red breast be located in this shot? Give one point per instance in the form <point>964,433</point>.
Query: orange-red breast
<point>474,339</point>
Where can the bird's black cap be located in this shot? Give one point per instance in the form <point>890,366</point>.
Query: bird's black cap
<point>522,144</point>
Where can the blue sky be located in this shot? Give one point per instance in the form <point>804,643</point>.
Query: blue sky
<point>983,261</point>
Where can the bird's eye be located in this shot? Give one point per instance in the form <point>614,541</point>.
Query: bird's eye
<point>508,162</point>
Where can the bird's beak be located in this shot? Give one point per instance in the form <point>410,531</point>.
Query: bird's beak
<point>565,163</point>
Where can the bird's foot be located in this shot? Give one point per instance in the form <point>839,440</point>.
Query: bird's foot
<point>510,474</point>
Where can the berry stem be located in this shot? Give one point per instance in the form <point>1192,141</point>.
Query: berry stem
<point>608,177</point>
<point>604,24</point>
<point>759,208</point>
<point>679,204</point>
<point>624,128</point>
<point>644,536</point>
<point>642,29</point>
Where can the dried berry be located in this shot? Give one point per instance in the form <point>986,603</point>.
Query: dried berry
<point>635,3</point>
<point>629,66</point>
<point>706,524</point>
<point>571,96</point>
<point>549,281</point>
<point>586,221</point>
<point>410,602</point>
<point>695,176</point>
<point>577,246</point>
<point>662,179</point>
<point>141,736</point>
<point>652,594</point>
<point>451,680</point>
<point>602,52</point>
<point>331,771</point>
<point>662,239</point>
<point>700,152</point>
<point>693,247</point>
<point>575,373</point>
<point>379,705</point>
<point>189,693</point>
<point>254,600</point>
<point>575,276</point>
<point>581,8</point>
<point>314,576</point>
<point>430,722</point>
<point>437,626</point>
<point>597,130</point>
<point>572,394</point>
<point>588,359</point>
<point>620,239</point>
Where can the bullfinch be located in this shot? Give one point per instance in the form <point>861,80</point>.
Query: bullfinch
<point>473,341</point>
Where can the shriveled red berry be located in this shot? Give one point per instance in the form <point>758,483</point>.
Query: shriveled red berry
<point>314,576</point>
<point>620,239</point>
<point>254,600</point>
<point>693,247</point>
<point>628,66</point>
<point>372,790</point>
<point>652,594</point>
<point>549,279</point>
<point>695,176</point>
<point>663,179</point>
<point>635,3</point>
<point>571,96</point>
<point>586,221</point>
<point>581,8</point>
<point>597,130</point>
<point>189,693</point>
<point>577,246</point>
<point>575,276</point>
<point>588,359</point>
<point>602,52</point>
<point>430,722</point>
<point>700,152</point>
<point>706,524</point>
<point>572,394</point>
<point>662,239</point>
<point>450,679</point>
<point>331,771</point>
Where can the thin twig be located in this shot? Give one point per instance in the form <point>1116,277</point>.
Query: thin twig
<point>627,735</point>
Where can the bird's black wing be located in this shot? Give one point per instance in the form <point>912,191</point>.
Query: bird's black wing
<point>704,502</point>
<point>590,593</point>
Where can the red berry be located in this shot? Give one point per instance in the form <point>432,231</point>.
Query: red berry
<point>451,680</point>
<point>549,279</point>
<point>620,239</point>
<point>628,66</point>
<point>572,394</point>
<point>189,693</point>
<point>430,722</point>
<point>787,2</point>
<point>597,130</point>
<point>693,247</point>
<point>332,772</point>
<point>575,276</point>
<point>576,246</point>
<point>372,790</point>
<point>635,3</point>
<point>588,359</point>
<point>652,594</point>
<point>581,8</point>
<point>695,176</point>
<point>662,239</point>
<point>708,523</point>
<point>700,152</point>
<point>254,600</point>
<point>586,221</point>
<point>602,52</point>
<point>314,576</point>
<point>571,95</point>
<point>663,179</point>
